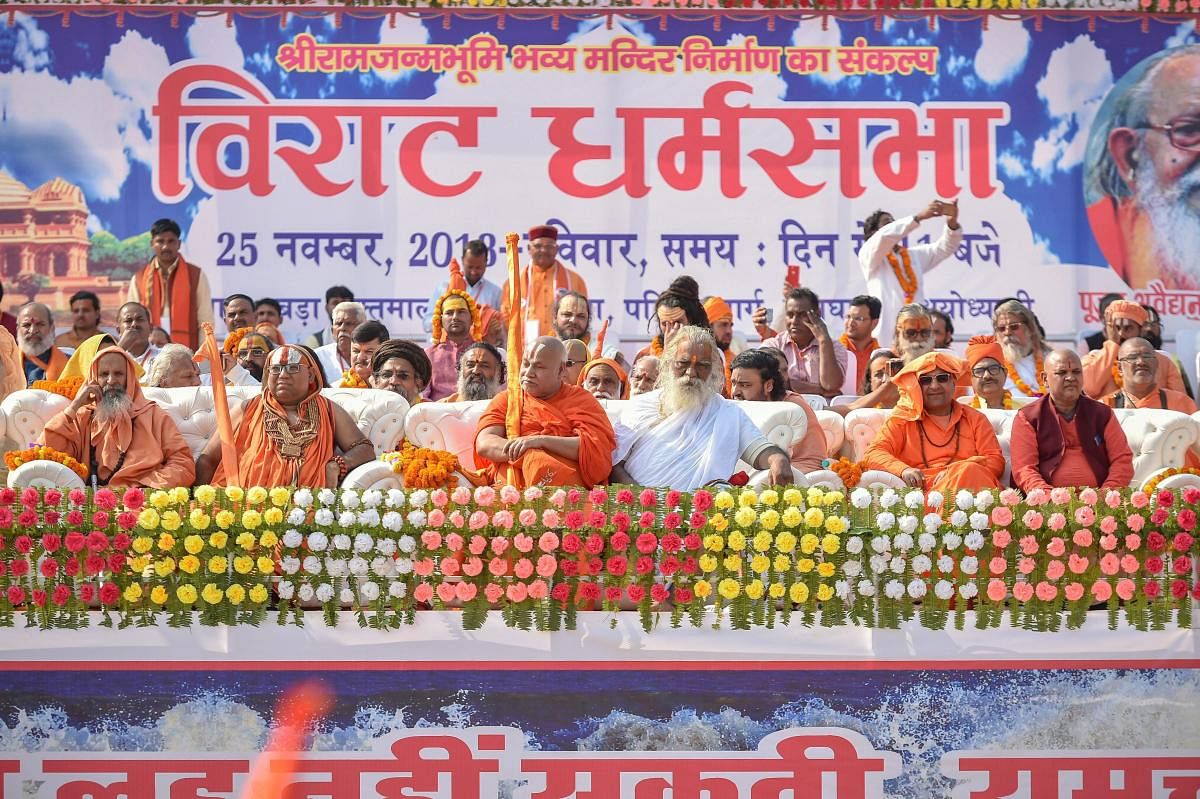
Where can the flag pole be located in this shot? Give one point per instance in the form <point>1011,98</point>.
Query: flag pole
<point>516,346</point>
<point>210,352</point>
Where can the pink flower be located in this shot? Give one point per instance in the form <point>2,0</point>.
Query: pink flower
<point>619,542</point>
<point>648,498</point>
<point>1089,497</point>
<point>672,521</point>
<point>1101,590</point>
<point>617,565</point>
<point>594,544</point>
<point>1187,519</point>
<point>1152,589</point>
<point>1129,564</point>
<point>454,542</point>
<point>625,497</point>
<point>646,519</point>
<point>527,517</point>
<point>105,499</point>
<point>1125,588</point>
<point>1077,564</point>
<point>6,517</point>
<point>588,591</point>
<point>1159,516</point>
<point>1009,497</point>
<point>517,592</point>
<point>30,497</point>
<point>493,593</point>
<point>1139,499</point>
<point>558,499</point>
<point>538,590</point>
<point>509,495</point>
<point>548,542</point>
<point>1182,542</point>
<point>635,592</point>
<point>485,496</point>
<point>1060,496</point>
<point>1037,497</point>
<point>74,517</point>
<point>1055,569</point>
<point>613,593</point>
<point>597,519</point>
<point>1112,498</point>
<point>1166,498</point>
<point>16,594</point>
<point>51,542</point>
<point>597,496</point>
<point>672,499</point>
<point>672,543</point>
<point>19,567</point>
<point>702,500</point>
<point>659,593</point>
<point>1191,495</point>
<point>996,590</point>
<point>1108,542</point>
<point>1082,538</point>
<point>561,592</point>
<point>423,567</point>
<point>644,565</point>
<point>109,593</point>
<point>446,592</point>
<point>1022,591</point>
<point>461,495</point>
<point>432,539</point>
<point>499,545</point>
<point>573,496</point>
<point>29,518</point>
<point>472,567</point>
<point>87,593</point>
<point>691,541</point>
<point>423,592</point>
<point>503,519</point>
<point>1056,547</point>
<point>1029,545</point>
<point>1155,541</point>
<point>1179,589</point>
<point>574,519</point>
<point>1154,564</point>
<point>1085,515</point>
<point>1132,542</point>
<point>134,498</point>
<point>647,543</point>
<point>1045,591</point>
<point>94,564</point>
<point>478,545</point>
<point>439,497</point>
<point>456,519</point>
<point>523,568</point>
<point>99,518</point>
<point>997,565</point>
<point>533,494</point>
<point>547,565</point>
<point>621,521</point>
<point>1181,565</point>
<point>76,497</point>
<point>1108,524</point>
<point>1001,538</point>
<point>523,542</point>
<point>23,544</point>
<point>465,592</point>
<point>697,520</point>
<point>550,518</point>
<point>450,566</point>
<point>498,567</point>
<point>436,518</point>
<point>1032,519</point>
<point>1002,515</point>
<point>478,520</point>
<point>1110,564</point>
<point>1073,592</point>
<point>1026,565</point>
<point>571,543</point>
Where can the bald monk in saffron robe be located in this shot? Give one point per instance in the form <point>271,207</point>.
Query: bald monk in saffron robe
<point>566,438</point>
<point>123,438</point>
<point>932,442</point>
<point>1123,320</point>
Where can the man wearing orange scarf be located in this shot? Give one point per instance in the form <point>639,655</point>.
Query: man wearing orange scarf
<point>566,438</point>
<point>40,359</point>
<point>175,292</point>
<point>290,434</point>
<point>604,378</point>
<point>932,442</point>
<point>985,364</point>
<point>1101,370</point>
<point>123,438</point>
<point>543,280</point>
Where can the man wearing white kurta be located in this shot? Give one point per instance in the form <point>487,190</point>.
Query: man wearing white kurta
<point>883,234</point>
<point>684,434</point>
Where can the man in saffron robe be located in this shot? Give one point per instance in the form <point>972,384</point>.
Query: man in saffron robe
<point>1101,372</point>
<point>1066,438</point>
<point>175,292</point>
<point>1139,377</point>
<point>929,440</point>
<point>123,438</point>
<point>756,378</point>
<point>544,280</point>
<point>289,435</point>
<point>604,378</point>
<point>565,436</point>
<point>40,359</point>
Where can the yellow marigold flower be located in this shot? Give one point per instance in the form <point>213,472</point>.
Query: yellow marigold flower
<point>792,517</point>
<point>755,590</point>
<point>256,495</point>
<point>814,495</point>
<point>814,517</point>
<point>245,540</point>
<point>265,565</point>
<point>212,594</point>
<point>133,593</point>
<point>703,588</point>
<point>769,497</point>
<point>830,544</point>
<point>729,588</point>
<point>139,564</point>
<point>708,563</point>
<point>206,494</point>
<point>745,517</point>
<point>224,519</point>
<point>234,493</point>
<point>280,496</point>
<point>805,565</point>
<point>251,519</point>
<point>809,543</point>
<point>273,516</point>
<point>798,593</point>
<point>736,541</point>
<point>148,519</point>
<point>760,563</point>
<point>719,523</point>
<point>164,566</point>
<point>769,519</point>
<point>159,499</point>
<point>218,565</point>
<point>792,496</point>
<point>158,595</point>
<point>836,525</point>
<point>723,500</point>
<point>714,543</point>
<point>824,593</point>
<point>268,539</point>
<point>199,520</point>
<point>833,498</point>
<point>258,594</point>
<point>166,542</point>
<point>143,544</point>
<point>171,520</point>
<point>826,569</point>
<point>235,594</point>
<point>733,563</point>
<point>243,564</point>
<point>218,540</point>
<point>189,564</point>
<point>785,542</point>
<point>186,594</point>
<point>193,544</point>
<point>776,591</point>
<point>747,498</point>
<point>179,495</point>
<point>781,563</point>
<point>763,541</point>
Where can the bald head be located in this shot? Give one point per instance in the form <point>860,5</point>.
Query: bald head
<point>577,356</point>
<point>543,367</point>
<point>1063,374</point>
<point>1139,366</point>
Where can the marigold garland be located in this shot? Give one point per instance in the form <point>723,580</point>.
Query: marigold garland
<point>1116,376</point>
<point>849,471</point>
<point>351,379</point>
<point>66,386</point>
<point>19,457</point>
<point>424,468</point>
<point>476,323</point>
<point>235,338</point>
<point>906,276</point>
<point>1028,391</point>
<point>1152,487</point>
<point>977,401</point>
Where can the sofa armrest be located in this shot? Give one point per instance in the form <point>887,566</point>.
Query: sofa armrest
<point>373,474</point>
<point>44,474</point>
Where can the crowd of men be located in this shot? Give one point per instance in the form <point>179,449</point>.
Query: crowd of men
<point>683,425</point>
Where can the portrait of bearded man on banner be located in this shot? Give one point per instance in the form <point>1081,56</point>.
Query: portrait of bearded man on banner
<point>1142,179</point>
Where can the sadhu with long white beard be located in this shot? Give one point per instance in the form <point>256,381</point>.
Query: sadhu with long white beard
<point>684,434</point>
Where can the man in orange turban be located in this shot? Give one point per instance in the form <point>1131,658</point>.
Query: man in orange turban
<point>565,436</point>
<point>932,442</point>
<point>456,326</point>
<point>602,377</point>
<point>123,438</point>
<point>287,435</point>
<point>720,320</point>
<point>1101,370</point>
<point>985,364</point>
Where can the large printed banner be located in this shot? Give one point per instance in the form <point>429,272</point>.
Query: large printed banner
<point>605,712</point>
<point>304,151</point>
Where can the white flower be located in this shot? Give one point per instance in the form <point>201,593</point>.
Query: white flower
<point>395,498</point>
<point>369,517</point>
<point>337,567</point>
<point>880,543</point>
<point>885,520</point>
<point>926,542</point>
<point>312,564</point>
<point>349,498</point>
<point>888,498</point>
<point>904,541</point>
<point>407,543</point>
<point>854,544</point>
<point>386,546</point>
<point>341,541</point>
<point>842,589</point>
<point>897,565</point>
<point>866,588</point>
<point>289,564</point>
<point>943,589</point>
<point>369,591</point>
<point>323,517</point>
<point>363,543</point>
<point>318,541</point>
<point>418,498</point>
<point>945,564</point>
<point>979,521</point>
<point>324,591</point>
<point>908,524</point>
<point>372,497</point>
<point>296,516</point>
<point>951,540</point>
<point>393,521</point>
<point>306,593</point>
<point>921,564</point>
<point>879,563</point>
<point>347,518</point>
<point>969,564</point>
<point>934,499</point>
<point>932,522</point>
<point>914,500</point>
<point>894,589</point>
<point>984,500</point>
<point>852,568</point>
<point>359,566</point>
<point>287,590</point>
<point>326,497</point>
<point>403,566</point>
<point>964,499</point>
<point>346,596</point>
<point>303,497</point>
<point>382,567</point>
<point>416,518</point>
<point>292,539</point>
<point>974,541</point>
<point>860,498</point>
<point>968,590</point>
<point>397,590</point>
<point>958,518</point>
<point>916,588</point>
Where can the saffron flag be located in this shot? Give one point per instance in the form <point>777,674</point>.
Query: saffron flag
<point>209,351</point>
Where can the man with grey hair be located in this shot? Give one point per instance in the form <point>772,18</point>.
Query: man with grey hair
<point>914,332</point>
<point>40,359</point>
<point>173,367</point>
<point>1020,337</point>
<point>645,375</point>
<point>684,434</point>
<point>1142,183</point>
<point>335,357</point>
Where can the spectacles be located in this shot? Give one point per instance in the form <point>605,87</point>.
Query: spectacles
<point>573,363</point>
<point>1147,357</point>
<point>280,368</point>
<point>1183,135</point>
<point>390,375</point>
<point>1009,329</point>
<point>988,371</point>
<point>918,335</point>
<point>253,352</point>
<point>942,379</point>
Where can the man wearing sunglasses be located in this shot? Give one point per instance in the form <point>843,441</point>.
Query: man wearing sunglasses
<point>932,442</point>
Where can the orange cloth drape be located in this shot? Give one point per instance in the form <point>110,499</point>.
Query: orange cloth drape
<point>809,452</point>
<point>180,299</point>
<point>1098,366</point>
<point>973,460</point>
<point>54,369</point>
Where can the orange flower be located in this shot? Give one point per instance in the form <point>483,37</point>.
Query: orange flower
<point>351,379</point>
<point>67,387</point>
<point>424,468</point>
<point>19,457</point>
<point>849,471</point>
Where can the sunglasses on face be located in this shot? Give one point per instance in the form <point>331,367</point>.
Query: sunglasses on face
<point>918,335</point>
<point>941,379</point>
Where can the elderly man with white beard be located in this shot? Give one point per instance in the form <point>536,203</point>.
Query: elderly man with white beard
<point>684,434</point>
<point>481,373</point>
<point>40,359</point>
<point>914,332</point>
<point>1025,352</point>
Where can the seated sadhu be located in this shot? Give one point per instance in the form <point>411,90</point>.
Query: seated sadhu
<point>565,436</point>
<point>289,435</point>
<point>1140,387</point>
<point>1066,438</point>
<point>123,438</point>
<point>604,378</point>
<point>985,361</point>
<point>1123,320</point>
<point>929,440</point>
<point>684,434</point>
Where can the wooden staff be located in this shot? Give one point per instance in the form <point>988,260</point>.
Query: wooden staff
<point>209,351</point>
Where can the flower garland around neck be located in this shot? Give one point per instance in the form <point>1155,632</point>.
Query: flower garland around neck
<point>476,331</point>
<point>1116,376</point>
<point>234,339</point>
<point>906,276</point>
<point>423,468</point>
<point>977,401</point>
<point>351,379</point>
<point>19,457</point>
<point>1026,389</point>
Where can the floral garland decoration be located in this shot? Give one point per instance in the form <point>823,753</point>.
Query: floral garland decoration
<point>907,277</point>
<point>351,379</point>
<point>65,386</point>
<point>977,401</point>
<point>235,338</point>
<point>476,323</point>
<point>1117,378</point>
<point>849,471</point>
<point>1152,487</point>
<point>19,457</point>
<point>424,468</point>
<point>1026,389</point>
